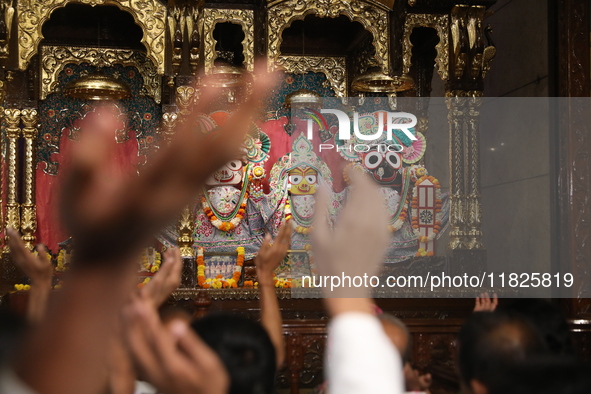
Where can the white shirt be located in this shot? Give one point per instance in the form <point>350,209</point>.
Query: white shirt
<point>361,359</point>
<point>11,384</point>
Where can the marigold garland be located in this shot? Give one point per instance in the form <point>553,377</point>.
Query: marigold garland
<point>225,225</point>
<point>61,261</point>
<point>154,266</point>
<point>289,215</point>
<point>231,221</point>
<point>404,211</point>
<point>143,283</point>
<point>219,281</point>
<point>282,283</point>
<point>415,213</point>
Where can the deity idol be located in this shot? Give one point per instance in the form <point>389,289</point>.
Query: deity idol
<point>294,180</point>
<point>225,216</point>
<point>391,164</point>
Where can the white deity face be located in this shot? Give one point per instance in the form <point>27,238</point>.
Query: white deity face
<point>231,173</point>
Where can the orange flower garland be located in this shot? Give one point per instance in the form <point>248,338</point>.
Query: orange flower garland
<point>401,218</point>
<point>282,283</point>
<point>404,212</point>
<point>288,216</point>
<point>201,270</point>
<point>220,224</point>
<point>219,282</point>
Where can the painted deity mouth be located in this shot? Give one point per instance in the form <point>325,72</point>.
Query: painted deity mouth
<point>384,175</point>
<point>224,176</point>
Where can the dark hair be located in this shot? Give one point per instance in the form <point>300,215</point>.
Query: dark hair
<point>546,375</point>
<point>12,328</point>
<point>245,349</point>
<point>548,321</point>
<point>490,339</point>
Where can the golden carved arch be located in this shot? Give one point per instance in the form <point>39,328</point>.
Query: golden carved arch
<point>373,16</point>
<point>244,18</point>
<point>150,15</point>
<point>438,22</point>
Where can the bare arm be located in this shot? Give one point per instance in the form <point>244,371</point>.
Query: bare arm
<point>111,217</point>
<point>267,260</point>
<point>171,357</point>
<point>38,269</point>
<point>166,280</point>
<point>361,357</point>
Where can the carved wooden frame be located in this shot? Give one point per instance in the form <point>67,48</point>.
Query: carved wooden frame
<point>373,17</point>
<point>244,18</point>
<point>150,15</point>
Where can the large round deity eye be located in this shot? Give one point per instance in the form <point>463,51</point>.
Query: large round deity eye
<point>373,159</point>
<point>295,179</point>
<point>235,165</point>
<point>394,160</point>
<point>311,179</point>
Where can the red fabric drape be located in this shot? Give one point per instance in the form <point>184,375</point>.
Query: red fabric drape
<point>124,159</point>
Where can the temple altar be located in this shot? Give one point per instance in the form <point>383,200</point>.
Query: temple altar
<point>368,59</point>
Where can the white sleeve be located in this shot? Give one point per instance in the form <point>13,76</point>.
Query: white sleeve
<point>361,358</point>
<point>11,384</point>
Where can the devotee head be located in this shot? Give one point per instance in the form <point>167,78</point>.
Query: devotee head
<point>491,341</point>
<point>245,349</point>
<point>398,333</point>
<point>548,320</point>
<point>543,375</point>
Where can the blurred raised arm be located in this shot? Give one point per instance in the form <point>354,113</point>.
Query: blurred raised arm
<point>267,261</point>
<point>111,216</point>
<point>37,268</point>
<point>166,280</point>
<point>360,358</point>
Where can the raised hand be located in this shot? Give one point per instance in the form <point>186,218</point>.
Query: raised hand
<point>37,268</point>
<point>166,280</point>
<point>271,254</point>
<point>112,216</point>
<point>267,260</point>
<point>485,303</point>
<point>357,245</point>
<point>172,358</point>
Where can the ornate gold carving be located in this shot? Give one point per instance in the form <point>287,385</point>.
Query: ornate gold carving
<point>7,14</point>
<point>175,30</point>
<point>441,24</point>
<point>29,210</point>
<point>473,204</point>
<point>455,107</point>
<point>185,97</point>
<point>466,209</point>
<point>373,16</point>
<point>168,122</point>
<point>334,68</point>
<point>469,53</point>
<point>226,294</point>
<point>12,118</point>
<point>192,23</point>
<point>244,18</point>
<point>150,15</point>
<point>2,96</point>
<point>55,58</point>
<point>185,227</point>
